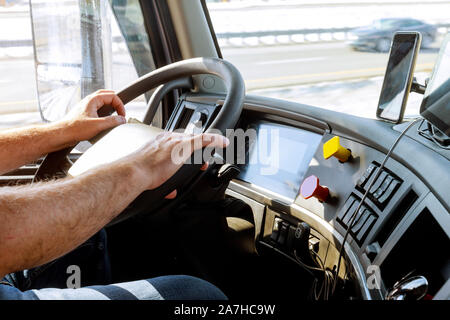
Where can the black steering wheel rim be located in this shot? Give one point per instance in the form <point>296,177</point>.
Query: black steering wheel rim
<point>234,83</point>
<point>227,117</point>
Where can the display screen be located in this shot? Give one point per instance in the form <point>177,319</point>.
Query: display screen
<point>436,102</point>
<point>397,79</point>
<point>278,157</point>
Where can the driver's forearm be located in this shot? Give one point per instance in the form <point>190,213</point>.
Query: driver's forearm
<point>42,222</point>
<point>23,145</point>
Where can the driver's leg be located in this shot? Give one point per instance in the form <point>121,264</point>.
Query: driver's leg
<point>161,288</point>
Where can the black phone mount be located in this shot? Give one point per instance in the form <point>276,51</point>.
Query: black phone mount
<point>417,87</point>
<point>426,129</point>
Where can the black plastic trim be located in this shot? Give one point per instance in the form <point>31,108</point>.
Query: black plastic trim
<point>164,44</point>
<point>396,216</point>
<point>211,28</point>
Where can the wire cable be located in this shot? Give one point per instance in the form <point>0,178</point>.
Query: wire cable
<point>305,265</point>
<point>310,268</point>
<point>328,276</point>
<point>361,202</point>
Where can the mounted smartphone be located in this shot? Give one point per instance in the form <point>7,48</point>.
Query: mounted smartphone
<point>398,76</point>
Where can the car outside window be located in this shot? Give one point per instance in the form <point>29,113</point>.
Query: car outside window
<point>386,24</point>
<point>412,23</point>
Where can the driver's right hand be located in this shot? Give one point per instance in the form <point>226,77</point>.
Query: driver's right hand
<point>161,158</point>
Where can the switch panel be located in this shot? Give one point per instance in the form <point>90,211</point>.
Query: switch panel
<point>362,223</point>
<point>382,189</point>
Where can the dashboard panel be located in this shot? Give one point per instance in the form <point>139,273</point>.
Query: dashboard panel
<point>404,224</point>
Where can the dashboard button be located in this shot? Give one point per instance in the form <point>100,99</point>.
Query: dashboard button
<point>276,229</point>
<point>333,148</point>
<point>379,181</point>
<point>346,206</point>
<point>359,214</point>
<point>350,213</point>
<point>383,187</point>
<point>283,233</point>
<point>366,227</point>
<point>311,188</point>
<point>366,175</point>
<point>360,220</point>
<point>392,186</point>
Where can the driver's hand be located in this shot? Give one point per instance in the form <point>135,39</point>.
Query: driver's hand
<point>160,159</point>
<point>84,122</point>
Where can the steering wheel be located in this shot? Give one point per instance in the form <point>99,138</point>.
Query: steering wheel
<point>127,138</point>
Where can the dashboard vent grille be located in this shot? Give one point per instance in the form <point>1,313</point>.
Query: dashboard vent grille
<point>383,189</point>
<point>363,222</point>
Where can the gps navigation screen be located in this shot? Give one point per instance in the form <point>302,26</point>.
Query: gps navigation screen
<point>436,102</point>
<point>279,157</point>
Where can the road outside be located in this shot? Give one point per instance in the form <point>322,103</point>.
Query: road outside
<point>327,75</point>
<point>324,73</point>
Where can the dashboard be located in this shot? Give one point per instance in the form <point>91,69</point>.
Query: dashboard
<point>402,227</point>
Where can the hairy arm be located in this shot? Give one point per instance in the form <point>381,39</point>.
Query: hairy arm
<point>41,222</point>
<point>23,145</point>
<point>44,221</point>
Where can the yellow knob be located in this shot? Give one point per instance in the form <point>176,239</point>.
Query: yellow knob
<point>333,148</point>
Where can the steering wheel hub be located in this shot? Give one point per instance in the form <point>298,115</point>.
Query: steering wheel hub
<point>128,138</point>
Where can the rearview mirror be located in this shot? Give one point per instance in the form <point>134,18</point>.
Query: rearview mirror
<point>71,52</point>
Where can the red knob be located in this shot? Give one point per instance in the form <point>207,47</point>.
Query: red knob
<point>311,188</point>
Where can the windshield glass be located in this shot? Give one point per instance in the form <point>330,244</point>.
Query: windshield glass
<point>330,54</point>
<point>384,24</point>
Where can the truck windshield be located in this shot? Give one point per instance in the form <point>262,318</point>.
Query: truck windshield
<point>330,54</point>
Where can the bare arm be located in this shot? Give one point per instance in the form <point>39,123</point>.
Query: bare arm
<point>44,221</point>
<point>41,222</point>
<point>23,145</point>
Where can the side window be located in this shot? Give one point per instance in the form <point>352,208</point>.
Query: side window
<point>18,96</point>
<point>68,49</point>
<point>85,45</point>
